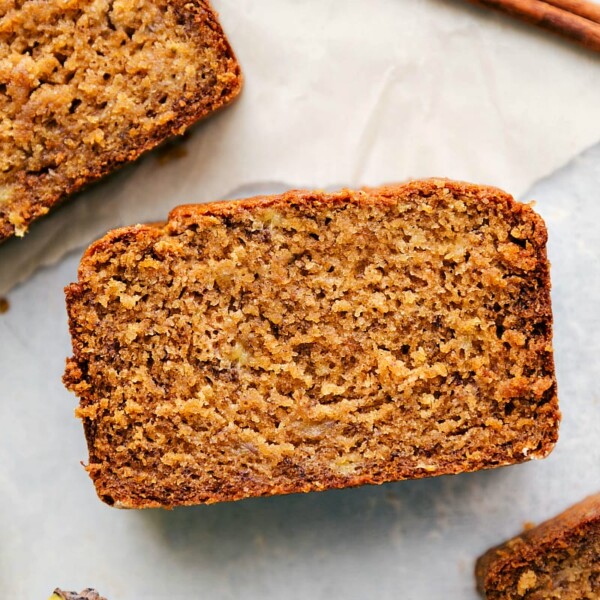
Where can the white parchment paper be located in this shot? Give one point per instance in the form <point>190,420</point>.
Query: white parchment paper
<point>359,92</point>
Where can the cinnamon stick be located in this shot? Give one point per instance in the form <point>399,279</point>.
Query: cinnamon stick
<point>543,14</point>
<point>589,10</point>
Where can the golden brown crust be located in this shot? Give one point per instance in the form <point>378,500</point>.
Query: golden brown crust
<point>25,195</point>
<point>532,310</point>
<point>535,551</point>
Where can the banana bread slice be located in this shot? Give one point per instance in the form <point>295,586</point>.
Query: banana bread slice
<point>558,560</point>
<point>87,85</point>
<point>312,340</point>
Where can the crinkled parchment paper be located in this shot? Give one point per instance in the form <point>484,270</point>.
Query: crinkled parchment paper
<point>360,92</point>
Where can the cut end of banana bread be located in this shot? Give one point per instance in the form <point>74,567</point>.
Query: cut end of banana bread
<point>558,560</point>
<point>311,341</point>
<point>87,86</point>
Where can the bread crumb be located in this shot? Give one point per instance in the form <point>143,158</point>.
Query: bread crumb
<point>527,581</point>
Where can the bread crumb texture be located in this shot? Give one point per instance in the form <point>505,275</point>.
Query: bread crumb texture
<point>86,85</point>
<point>311,341</point>
<point>558,560</point>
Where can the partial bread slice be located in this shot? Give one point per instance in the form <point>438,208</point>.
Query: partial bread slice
<point>311,341</point>
<point>87,86</point>
<point>558,560</point>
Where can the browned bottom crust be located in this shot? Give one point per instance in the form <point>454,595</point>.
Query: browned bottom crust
<point>558,560</point>
<point>311,341</point>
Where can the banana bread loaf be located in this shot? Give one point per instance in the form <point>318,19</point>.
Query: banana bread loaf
<point>87,86</point>
<point>558,560</point>
<point>312,340</point>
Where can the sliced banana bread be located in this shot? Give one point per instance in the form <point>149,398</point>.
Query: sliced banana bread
<point>558,560</point>
<point>87,85</point>
<point>311,341</point>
